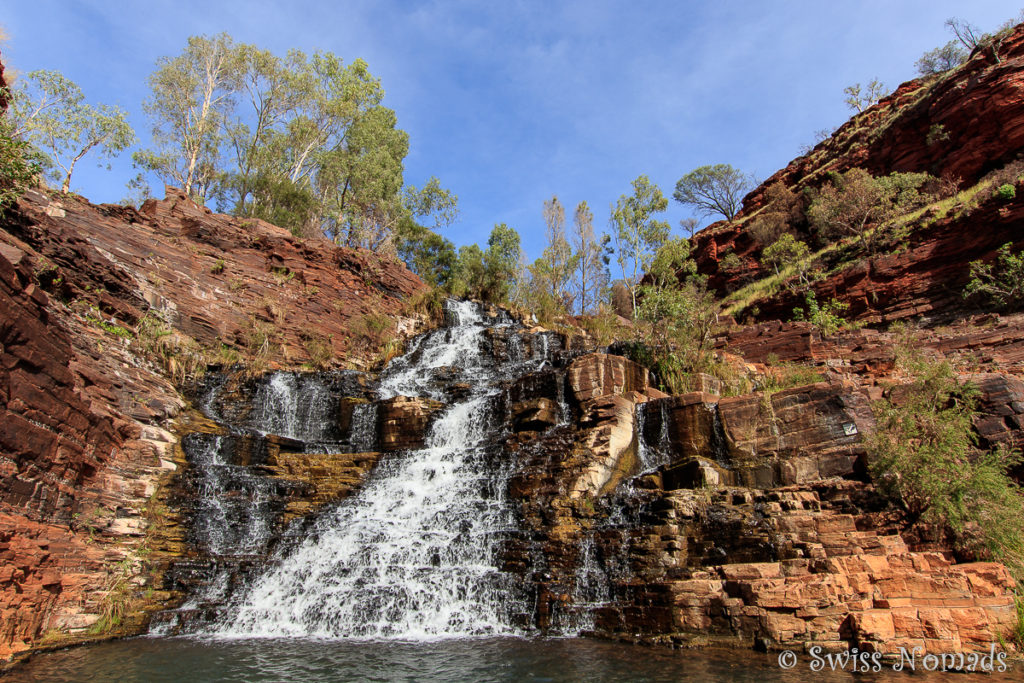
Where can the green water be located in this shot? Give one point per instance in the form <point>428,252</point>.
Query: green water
<point>450,661</point>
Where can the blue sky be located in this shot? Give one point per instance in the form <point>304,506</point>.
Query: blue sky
<point>510,102</point>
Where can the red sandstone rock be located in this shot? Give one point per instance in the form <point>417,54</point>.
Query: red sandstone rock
<point>980,107</point>
<point>215,278</point>
<point>403,422</point>
<point>83,444</point>
<point>597,374</point>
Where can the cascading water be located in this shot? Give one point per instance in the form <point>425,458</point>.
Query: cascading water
<point>412,556</point>
<point>653,455</point>
<point>236,524</point>
<point>363,436</point>
<point>293,406</point>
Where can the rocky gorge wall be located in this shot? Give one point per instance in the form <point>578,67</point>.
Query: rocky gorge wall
<point>751,522</point>
<point>978,113</point>
<point>105,312</point>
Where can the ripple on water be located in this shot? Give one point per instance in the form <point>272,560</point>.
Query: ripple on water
<point>489,659</point>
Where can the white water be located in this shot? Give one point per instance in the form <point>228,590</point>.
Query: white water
<point>231,514</point>
<point>652,456</point>
<point>363,432</point>
<point>411,556</point>
<point>288,405</point>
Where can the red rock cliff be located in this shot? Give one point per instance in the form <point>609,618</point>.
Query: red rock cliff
<point>86,417</point>
<point>978,111</point>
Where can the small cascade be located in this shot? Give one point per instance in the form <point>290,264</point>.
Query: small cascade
<point>653,455</point>
<point>590,589</point>
<point>233,513</point>
<point>719,445</point>
<point>207,401</point>
<point>363,432</point>
<point>294,406</point>
<point>564,411</point>
<point>544,347</point>
<point>232,521</point>
<point>541,349</point>
<point>516,354</point>
<point>413,555</point>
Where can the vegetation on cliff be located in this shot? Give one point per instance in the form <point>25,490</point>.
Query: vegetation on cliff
<point>318,154</point>
<point>924,453</point>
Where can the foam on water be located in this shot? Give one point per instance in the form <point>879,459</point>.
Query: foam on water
<point>412,555</point>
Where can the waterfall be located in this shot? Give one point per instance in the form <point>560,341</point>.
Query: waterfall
<point>651,456</point>
<point>232,514</point>
<point>542,347</point>
<point>299,407</point>
<point>412,555</point>
<point>363,432</point>
<point>515,348</point>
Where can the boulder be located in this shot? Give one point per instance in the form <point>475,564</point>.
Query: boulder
<point>534,415</point>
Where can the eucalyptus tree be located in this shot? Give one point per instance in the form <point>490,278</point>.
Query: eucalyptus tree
<point>859,99</point>
<point>302,140</point>
<point>591,272</point>
<point>192,98</point>
<point>553,271</point>
<point>638,235</point>
<point>715,189</point>
<point>501,263</point>
<point>49,112</point>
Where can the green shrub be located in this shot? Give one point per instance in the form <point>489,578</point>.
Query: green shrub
<point>924,455</point>
<point>855,203</point>
<point>320,349</point>
<point>826,317</point>
<point>782,375</point>
<point>603,326</point>
<point>937,133</point>
<point>20,164</point>
<point>373,329</point>
<point>1001,285</point>
<point>731,261</point>
<point>1006,192</point>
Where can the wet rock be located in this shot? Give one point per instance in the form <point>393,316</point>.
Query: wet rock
<point>330,477</point>
<point>695,473</point>
<point>608,437</point>
<point>534,415</point>
<point>403,422</point>
<point>689,424</point>
<point>597,374</point>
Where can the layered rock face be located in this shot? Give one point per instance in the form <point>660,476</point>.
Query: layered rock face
<point>100,308</point>
<point>220,281</point>
<point>81,453</point>
<point>743,519</point>
<point>958,125</point>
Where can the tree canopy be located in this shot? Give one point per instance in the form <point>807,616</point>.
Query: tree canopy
<point>860,98</point>
<point>300,140</point>
<point>638,235</point>
<point>717,189</point>
<point>49,111</point>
